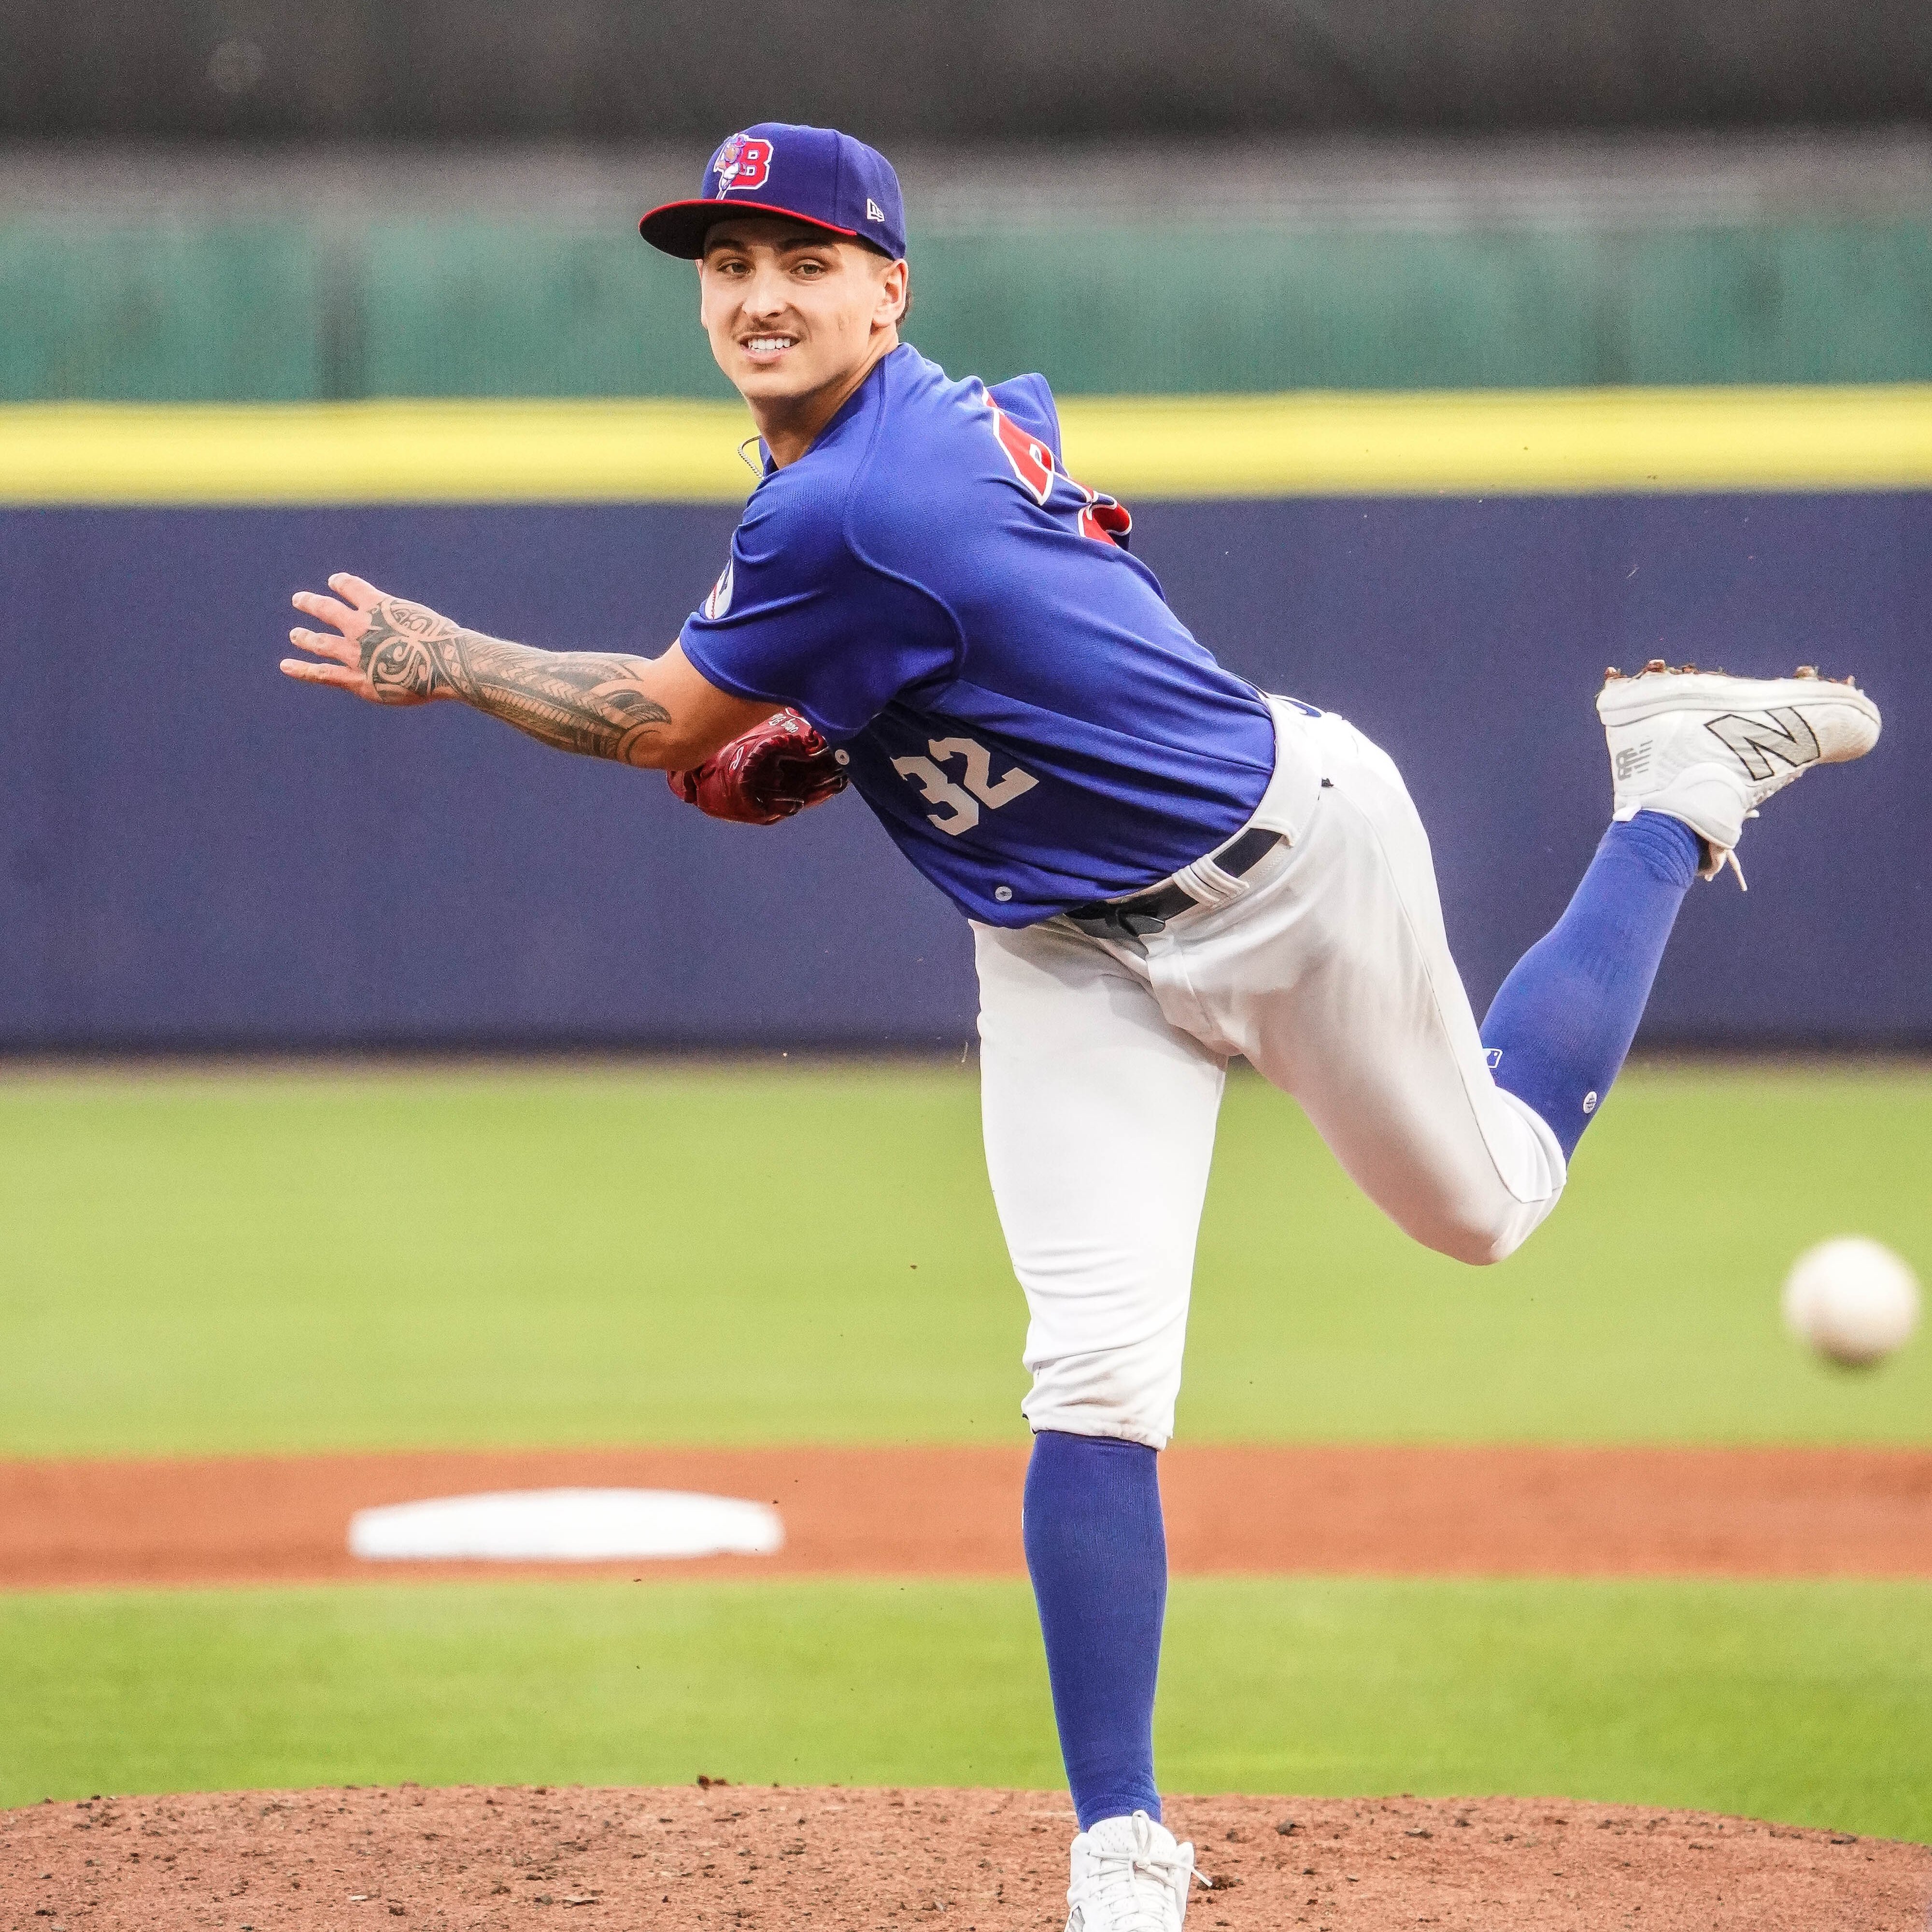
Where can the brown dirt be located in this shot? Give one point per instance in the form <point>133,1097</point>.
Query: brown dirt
<point>681,1859</point>
<point>1427,1511</point>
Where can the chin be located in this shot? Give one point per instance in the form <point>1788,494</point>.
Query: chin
<point>763,380</point>
<point>775,381</point>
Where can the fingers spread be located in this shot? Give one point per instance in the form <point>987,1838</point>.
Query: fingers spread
<point>312,604</point>
<point>305,673</point>
<point>363,595</point>
<point>326,644</point>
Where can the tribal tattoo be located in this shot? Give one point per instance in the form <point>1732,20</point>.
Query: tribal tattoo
<point>577,700</point>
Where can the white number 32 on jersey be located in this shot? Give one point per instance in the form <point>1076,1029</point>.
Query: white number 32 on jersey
<point>959,803</point>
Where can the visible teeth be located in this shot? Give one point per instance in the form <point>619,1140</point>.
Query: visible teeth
<point>768,345</point>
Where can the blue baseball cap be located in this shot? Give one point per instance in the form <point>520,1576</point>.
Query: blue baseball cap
<point>815,174</point>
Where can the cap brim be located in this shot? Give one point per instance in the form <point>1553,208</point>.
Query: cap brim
<point>679,227</point>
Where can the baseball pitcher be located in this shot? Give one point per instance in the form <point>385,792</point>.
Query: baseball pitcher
<point>1164,868</point>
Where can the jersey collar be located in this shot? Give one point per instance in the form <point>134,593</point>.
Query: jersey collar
<point>845,410</point>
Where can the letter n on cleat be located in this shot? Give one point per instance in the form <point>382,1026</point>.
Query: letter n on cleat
<point>1758,737</point>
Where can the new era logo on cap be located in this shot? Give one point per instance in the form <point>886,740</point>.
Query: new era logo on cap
<point>815,174</point>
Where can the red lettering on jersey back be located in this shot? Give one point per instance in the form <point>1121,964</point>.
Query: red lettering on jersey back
<point>1103,517</point>
<point>1032,460</point>
<point>1100,517</point>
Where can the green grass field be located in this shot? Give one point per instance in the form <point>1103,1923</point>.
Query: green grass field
<point>683,1253</point>
<point>1809,1703</point>
<point>292,1261</point>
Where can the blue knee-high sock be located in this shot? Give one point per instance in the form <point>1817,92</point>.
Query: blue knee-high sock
<point>1564,1018</point>
<point>1097,1551</point>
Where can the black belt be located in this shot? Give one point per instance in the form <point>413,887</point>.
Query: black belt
<point>1150,911</point>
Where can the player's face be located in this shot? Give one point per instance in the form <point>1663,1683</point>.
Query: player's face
<point>791,311</point>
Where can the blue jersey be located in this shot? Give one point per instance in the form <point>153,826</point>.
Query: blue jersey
<point>1031,722</point>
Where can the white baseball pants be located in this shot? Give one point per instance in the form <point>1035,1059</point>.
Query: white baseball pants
<point>1102,1061</point>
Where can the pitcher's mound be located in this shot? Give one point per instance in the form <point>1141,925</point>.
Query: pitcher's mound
<point>838,1861</point>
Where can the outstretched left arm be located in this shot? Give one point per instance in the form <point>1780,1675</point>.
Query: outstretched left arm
<point>651,711</point>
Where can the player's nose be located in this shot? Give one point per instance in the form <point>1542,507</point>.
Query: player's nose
<point>765,295</point>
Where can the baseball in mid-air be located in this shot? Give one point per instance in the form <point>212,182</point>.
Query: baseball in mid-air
<point>1851,1299</point>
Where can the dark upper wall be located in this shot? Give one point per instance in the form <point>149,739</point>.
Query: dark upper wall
<point>196,852</point>
<point>1000,69</point>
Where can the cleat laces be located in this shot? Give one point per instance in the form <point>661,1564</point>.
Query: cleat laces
<point>1136,1889</point>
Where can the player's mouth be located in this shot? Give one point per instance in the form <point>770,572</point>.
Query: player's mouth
<point>767,348</point>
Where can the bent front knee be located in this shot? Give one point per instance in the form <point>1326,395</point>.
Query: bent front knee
<point>1477,1249</point>
<point>1481,1240</point>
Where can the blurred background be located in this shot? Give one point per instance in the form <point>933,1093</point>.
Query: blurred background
<point>287,289</point>
<point>260,203</point>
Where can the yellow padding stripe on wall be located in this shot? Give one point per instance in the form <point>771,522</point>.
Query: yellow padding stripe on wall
<point>1504,442</point>
<point>1458,443</point>
<point>481,451</point>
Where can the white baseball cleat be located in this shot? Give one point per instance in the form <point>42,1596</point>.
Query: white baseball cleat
<point>1128,1876</point>
<point>1708,749</point>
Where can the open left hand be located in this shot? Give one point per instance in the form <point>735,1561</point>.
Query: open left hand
<point>382,649</point>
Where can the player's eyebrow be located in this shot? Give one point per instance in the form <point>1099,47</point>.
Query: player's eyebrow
<point>787,243</point>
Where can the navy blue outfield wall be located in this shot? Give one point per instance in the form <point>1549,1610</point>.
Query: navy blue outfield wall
<point>198,853</point>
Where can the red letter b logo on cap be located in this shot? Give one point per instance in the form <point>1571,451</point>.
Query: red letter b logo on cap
<point>742,162</point>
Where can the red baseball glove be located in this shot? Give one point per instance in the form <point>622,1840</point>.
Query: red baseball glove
<point>773,770</point>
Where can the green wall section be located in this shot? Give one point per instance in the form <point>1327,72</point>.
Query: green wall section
<point>291,312</point>
<point>160,315</point>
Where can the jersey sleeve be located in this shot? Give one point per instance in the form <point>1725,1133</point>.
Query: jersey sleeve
<point>799,618</point>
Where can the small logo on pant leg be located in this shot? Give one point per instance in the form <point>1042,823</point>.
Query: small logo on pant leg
<point>1590,1101</point>
<point>1493,1058</point>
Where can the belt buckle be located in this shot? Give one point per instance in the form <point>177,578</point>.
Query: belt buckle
<point>1114,922</point>
<point>1117,922</point>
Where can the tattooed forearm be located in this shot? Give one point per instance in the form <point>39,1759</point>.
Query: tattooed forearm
<point>577,700</point>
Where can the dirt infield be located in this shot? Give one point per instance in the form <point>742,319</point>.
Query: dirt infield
<point>1429,1510</point>
<point>683,1859</point>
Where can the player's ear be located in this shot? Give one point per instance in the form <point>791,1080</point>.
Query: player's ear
<point>895,286</point>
